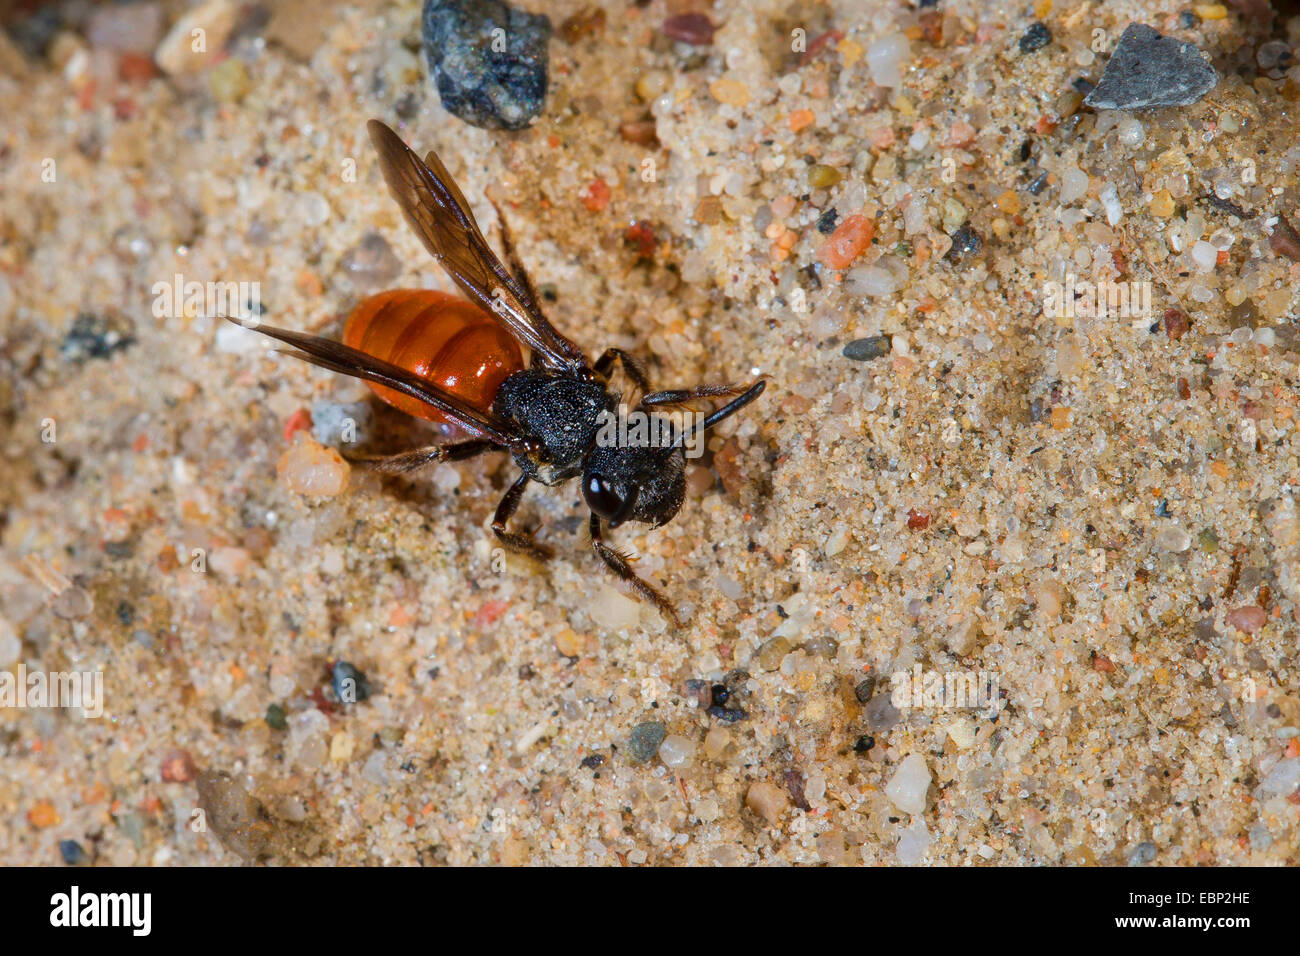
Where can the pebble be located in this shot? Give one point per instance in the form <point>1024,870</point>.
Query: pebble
<point>914,843</point>
<point>309,468</point>
<point>1147,69</point>
<point>768,801</point>
<point>71,852</point>
<point>644,741</point>
<point>864,350</point>
<point>1141,854</point>
<point>886,59</point>
<point>176,55</point>
<point>1074,185</point>
<point>864,689</point>
<point>1248,619</point>
<point>730,92</point>
<point>908,786</point>
<point>275,717</point>
<point>229,81</point>
<point>716,742</point>
<point>614,610</point>
<point>1283,779</point>
<point>693,28</point>
<point>849,240</point>
<point>93,336</point>
<point>1173,538</point>
<point>1205,255</point>
<point>1131,132</point>
<point>1035,38</point>
<point>962,733</point>
<point>73,603</point>
<point>880,714</point>
<point>178,766</point>
<point>125,27</point>
<point>965,243</point>
<point>371,264</point>
<point>885,276</point>
<point>483,87</point>
<point>676,751</point>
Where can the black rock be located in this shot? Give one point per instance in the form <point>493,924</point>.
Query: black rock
<point>865,689</point>
<point>93,336</point>
<point>826,221</point>
<point>488,60</point>
<point>864,350</point>
<point>71,852</point>
<point>965,243</point>
<point>1035,38</point>
<point>1148,69</point>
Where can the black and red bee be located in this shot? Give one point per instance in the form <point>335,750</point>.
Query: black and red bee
<point>445,359</point>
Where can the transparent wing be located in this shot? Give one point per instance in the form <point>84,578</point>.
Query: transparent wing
<point>436,209</point>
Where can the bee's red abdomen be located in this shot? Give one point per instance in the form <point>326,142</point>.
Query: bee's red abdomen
<point>442,338</point>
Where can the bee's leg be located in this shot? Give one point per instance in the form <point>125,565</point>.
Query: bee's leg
<point>406,461</point>
<point>618,563</point>
<point>684,396</point>
<point>513,540</point>
<point>635,371</point>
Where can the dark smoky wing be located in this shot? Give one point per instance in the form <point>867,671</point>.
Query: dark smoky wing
<point>337,357</point>
<point>436,209</point>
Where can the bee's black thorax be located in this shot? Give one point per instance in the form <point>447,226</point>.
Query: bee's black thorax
<point>559,413</point>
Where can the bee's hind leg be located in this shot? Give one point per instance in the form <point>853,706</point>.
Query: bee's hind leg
<point>405,461</point>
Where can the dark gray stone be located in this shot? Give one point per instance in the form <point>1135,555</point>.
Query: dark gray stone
<point>864,350</point>
<point>1148,70</point>
<point>488,60</point>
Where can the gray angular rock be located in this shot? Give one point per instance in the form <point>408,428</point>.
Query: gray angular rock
<point>488,60</point>
<point>1148,70</point>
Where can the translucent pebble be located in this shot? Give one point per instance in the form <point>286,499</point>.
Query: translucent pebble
<point>1173,538</point>
<point>1242,336</point>
<point>1205,256</point>
<point>907,788</point>
<point>614,610</point>
<point>1265,337</point>
<point>871,280</point>
<point>914,843</point>
<point>1074,184</point>
<point>1131,132</point>
<point>676,750</point>
<point>1110,202</point>
<point>914,216</point>
<point>308,468</point>
<point>886,59</point>
<point>1283,779</point>
<point>313,209</point>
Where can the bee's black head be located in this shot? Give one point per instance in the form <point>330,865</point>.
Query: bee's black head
<point>643,484</point>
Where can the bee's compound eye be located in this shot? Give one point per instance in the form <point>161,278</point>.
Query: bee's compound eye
<point>601,496</point>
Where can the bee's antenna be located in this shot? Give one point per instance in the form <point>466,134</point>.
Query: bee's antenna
<point>726,411</point>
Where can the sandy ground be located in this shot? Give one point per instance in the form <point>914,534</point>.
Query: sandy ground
<point>1093,514</point>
